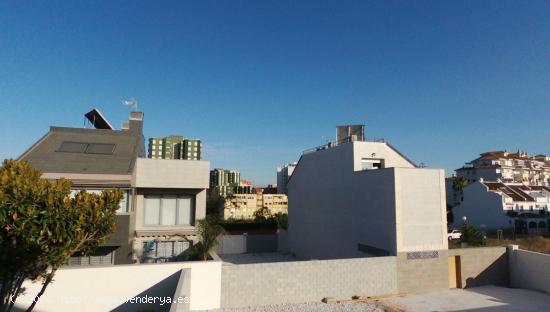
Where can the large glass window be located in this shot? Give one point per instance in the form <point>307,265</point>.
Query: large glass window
<point>169,205</point>
<point>185,211</point>
<point>168,210</point>
<point>152,210</point>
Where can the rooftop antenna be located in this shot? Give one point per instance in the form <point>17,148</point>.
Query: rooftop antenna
<point>131,102</point>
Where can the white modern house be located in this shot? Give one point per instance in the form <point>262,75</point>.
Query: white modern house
<point>357,198</point>
<point>498,205</point>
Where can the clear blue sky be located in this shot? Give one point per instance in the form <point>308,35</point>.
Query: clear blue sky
<point>261,81</point>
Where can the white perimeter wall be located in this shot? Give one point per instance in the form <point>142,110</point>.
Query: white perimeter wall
<point>529,269</point>
<point>106,288</point>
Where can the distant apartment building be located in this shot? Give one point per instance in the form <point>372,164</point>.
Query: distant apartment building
<point>244,187</point>
<point>269,189</point>
<point>283,175</point>
<point>243,206</point>
<point>357,197</point>
<point>174,147</point>
<point>162,198</point>
<point>508,167</point>
<point>502,190</point>
<point>224,182</point>
<point>492,205</point>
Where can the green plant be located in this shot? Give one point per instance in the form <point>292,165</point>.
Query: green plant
<point>262,215</point>
<point>459,183</point>
<point>41,226</point>
<point>214,203</point>
<point>470,235</point>
<point>282,220</point>
<point>208,230</point>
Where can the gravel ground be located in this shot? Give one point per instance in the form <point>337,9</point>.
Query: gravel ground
<point>313,307</point>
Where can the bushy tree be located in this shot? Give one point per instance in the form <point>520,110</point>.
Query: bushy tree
<point>214,203</point>
<point>263,214</point>
<point>470,235</point>
<point>208,231</point>
<point>41,226</point>
<point>281,219</point>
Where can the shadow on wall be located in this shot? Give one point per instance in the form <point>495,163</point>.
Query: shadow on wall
<point>497,273</point>
<point>163,291</point>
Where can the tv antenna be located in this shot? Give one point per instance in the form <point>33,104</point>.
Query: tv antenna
<point>131,102</point>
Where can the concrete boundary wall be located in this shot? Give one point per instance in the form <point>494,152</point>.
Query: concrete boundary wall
<point>108,288</point>
<point>247,243</point>
<point>529,270</point>
<point>306,281</point>
<point>478,266</point>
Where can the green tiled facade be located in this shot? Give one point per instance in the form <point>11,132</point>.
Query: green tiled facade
<point>175,147</point>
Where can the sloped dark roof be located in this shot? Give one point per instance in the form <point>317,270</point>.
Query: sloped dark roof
<point>516,192</point>
<point>45,154</point>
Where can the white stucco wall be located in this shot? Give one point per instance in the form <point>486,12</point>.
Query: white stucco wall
<point>481,208</point>
<point>321,213</point>
<point>421,209</point>
<point>106,288</point>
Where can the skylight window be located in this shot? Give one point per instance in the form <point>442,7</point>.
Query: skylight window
<point>96,148</point>
<point>87,148</point>
<point>72,147</point>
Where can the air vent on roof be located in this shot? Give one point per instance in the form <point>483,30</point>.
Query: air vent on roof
<point>87,148</point>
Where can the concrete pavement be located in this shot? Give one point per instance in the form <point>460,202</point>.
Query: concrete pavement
<point>486,298</point>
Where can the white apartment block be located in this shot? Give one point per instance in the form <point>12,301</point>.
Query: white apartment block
<point>508,167</point>
<point>496,205</point>
<point>354,198</point>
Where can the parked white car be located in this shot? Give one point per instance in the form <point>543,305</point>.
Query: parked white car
<point>454,234</point>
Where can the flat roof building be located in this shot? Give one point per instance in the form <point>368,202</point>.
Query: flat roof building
<point>356,198</point>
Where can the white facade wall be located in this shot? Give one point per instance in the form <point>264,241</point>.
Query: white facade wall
<point>421,209</point>
<point>481,208</point>
<point>334,207</point>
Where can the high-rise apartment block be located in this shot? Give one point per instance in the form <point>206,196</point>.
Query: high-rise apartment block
<point>175,147</point>
<point>283,175</point>
<point>224,181</point>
